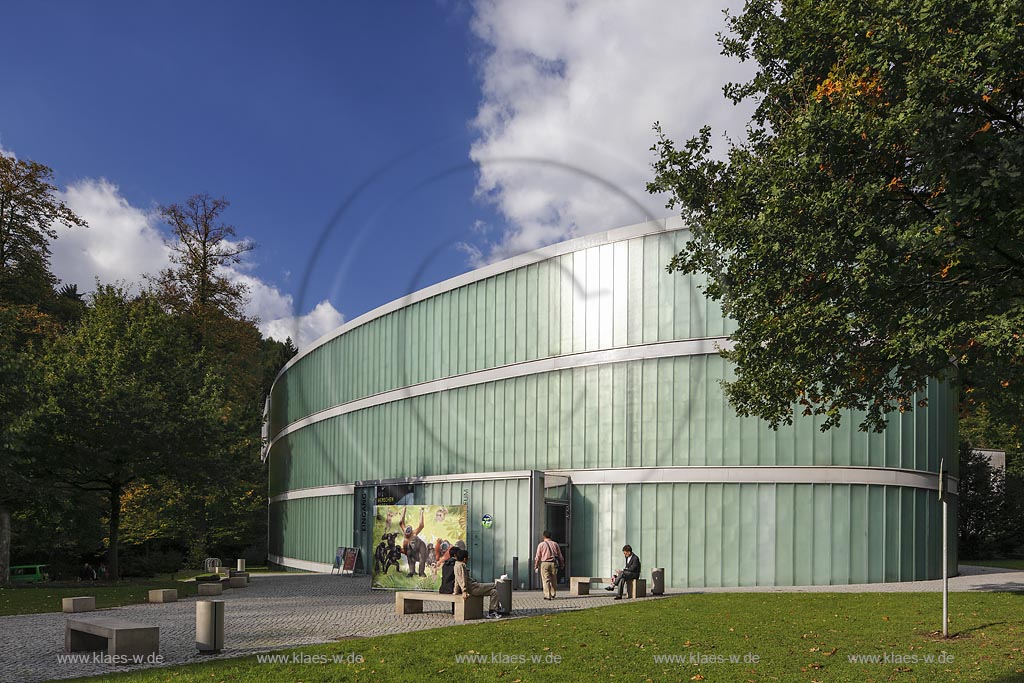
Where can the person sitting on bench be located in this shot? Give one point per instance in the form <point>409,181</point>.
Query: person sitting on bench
<point>448,573</point>
<point>467,585</point>
<point>628,573</point>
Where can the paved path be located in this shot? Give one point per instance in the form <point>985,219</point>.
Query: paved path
<point>284,611</point>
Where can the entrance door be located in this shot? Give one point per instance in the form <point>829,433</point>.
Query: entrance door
<point>556,520</point>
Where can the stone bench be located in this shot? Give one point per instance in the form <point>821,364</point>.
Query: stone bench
<point>118,637</point>
<point>234,582</point>
<point>163,595</point>
<point>207,588</point>
<point>233,573</point>
<point>580,585</point>
<point>84,603</point>
<point>411,602</point>
<point>637,588</point>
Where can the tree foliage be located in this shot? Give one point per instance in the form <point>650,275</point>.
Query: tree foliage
<point>29,209</point>
<point>201,249</point>
<point>870,228</point>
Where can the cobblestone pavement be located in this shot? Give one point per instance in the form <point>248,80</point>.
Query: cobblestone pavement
<point>289,610</point>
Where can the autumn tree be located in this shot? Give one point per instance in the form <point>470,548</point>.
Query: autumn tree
<point>198,287</point>
<point>868,232</point>
<point>202,248</point>
<point>29,210</point>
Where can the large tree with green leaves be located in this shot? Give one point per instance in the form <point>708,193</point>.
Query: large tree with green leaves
<point>126,394</point>
<point>29,210</point>
<point>868,232</point>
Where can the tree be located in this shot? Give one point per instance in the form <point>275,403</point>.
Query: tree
<point>22,331</point>
<point>870,228</point>
<point>202,248</point>
<point>125,395</point>
<point>28,211</point>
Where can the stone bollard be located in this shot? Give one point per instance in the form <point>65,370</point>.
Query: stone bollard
<point>241,565</point>
<point>210,625</point>
<point>658,581</point>
<point>86,603</point>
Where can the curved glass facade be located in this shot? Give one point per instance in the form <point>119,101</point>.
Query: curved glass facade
<point>583,380</point>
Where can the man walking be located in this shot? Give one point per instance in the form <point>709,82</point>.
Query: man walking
<point>547,561</point>
<point>629,572</point>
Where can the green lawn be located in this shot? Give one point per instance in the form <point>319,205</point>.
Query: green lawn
<point>1004,564</point>
<point>47,598</point>
<point>796,637</point>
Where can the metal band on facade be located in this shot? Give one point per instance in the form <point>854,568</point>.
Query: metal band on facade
<point>304,565</point>
<point>739,474</point>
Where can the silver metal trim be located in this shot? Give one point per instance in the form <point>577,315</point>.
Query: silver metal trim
<point>544,253</point>
<point>622,354</point>
<point>315,492</point>
<point>761,474</point>
<point>733,474</point>
<point>319,567</point>
<point>349,489</point>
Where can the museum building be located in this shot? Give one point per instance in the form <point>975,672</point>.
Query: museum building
<point>576,388</point>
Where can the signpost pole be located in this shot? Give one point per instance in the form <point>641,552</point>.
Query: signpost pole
<point>944,499</point>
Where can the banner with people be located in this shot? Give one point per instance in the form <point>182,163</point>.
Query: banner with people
<point>412,541</point>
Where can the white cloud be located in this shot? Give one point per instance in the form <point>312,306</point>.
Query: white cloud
<point>304,329</point>
<point>122,242</point>
<point>125,243</point>
<point>576,86</point>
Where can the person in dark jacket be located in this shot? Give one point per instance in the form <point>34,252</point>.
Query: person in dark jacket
<point>629,572</point>
<point>448,573</point>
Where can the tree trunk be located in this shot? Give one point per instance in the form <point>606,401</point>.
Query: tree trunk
<point>5,545</point>
<point>115,530</point>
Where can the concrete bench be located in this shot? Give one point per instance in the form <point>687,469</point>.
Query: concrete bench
<point>118,637</point>
<point>207,588</point>
<point>233,573</point>
<point>411,602</point>
<point>163,595</point>
<point>234,582</point>
<point>580,585</point>
<point>84,603</point>
<point>637,588</point>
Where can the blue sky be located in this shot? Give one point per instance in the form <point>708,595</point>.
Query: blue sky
<point>413,115</point>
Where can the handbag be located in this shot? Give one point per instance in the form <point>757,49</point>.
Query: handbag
<point>559,562</point>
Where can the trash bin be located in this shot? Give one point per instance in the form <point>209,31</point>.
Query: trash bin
<point>210,625</point>
<point>658,581</point>
<point>504,587</point>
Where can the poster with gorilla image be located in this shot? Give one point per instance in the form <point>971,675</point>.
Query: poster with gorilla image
<point>412,541</point>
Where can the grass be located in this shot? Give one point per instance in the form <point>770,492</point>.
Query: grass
<point>44,597</point>
<point>1004,564</point>
<point>796,637</point>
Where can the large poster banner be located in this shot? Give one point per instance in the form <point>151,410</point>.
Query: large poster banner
<point>411,541</point>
